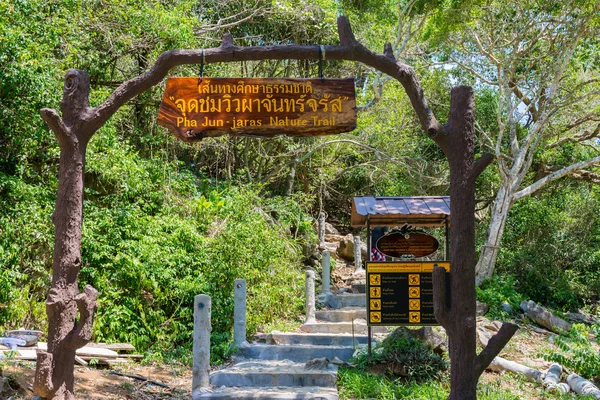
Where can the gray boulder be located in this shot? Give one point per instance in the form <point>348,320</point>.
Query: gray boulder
<point>543,317</point>
<point>346,248</point>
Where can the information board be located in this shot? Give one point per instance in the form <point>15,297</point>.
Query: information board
<point>401,293</point>
<point>193,108</point>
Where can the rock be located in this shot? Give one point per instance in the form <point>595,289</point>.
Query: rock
<point>427,335</point>
<point>484,335</point>
<point>577,317</point>
<point>317,363</point>
<point>543,317</point>
<point>334,238</point>
<point>506,307</point>
<point>482,308</point>
<point>346,248</point>
<point>330,229</point>
<point>332,247</point>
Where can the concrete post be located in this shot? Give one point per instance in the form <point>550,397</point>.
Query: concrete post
<point>239,312</point>
<point>202,329</point>
<point>326,279</point>
<point>321,228</point>
<point>357,255</point>
<point>310,296</point>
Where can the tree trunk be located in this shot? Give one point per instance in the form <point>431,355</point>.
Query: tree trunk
<point>461,326</point>
<point>489,251</point>
<point>289,184</point>
<point>54,370</point>
<point>456,311</point>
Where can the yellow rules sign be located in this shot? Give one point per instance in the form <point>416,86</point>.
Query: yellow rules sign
<point>401,293</point>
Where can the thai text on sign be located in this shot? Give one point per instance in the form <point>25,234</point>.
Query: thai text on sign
<point>194,108</point>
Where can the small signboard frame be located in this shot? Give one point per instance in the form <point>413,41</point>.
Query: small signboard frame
<point>401,293</point>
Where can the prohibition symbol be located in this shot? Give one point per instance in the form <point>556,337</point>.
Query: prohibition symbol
<point>413,292</point>
<point>414,279</point>
<point>375,317</point>
<point>375,279</point>
<point>375,304</point>
<point>375,292</point>
<point>414,305</point>
<point>414,317</point>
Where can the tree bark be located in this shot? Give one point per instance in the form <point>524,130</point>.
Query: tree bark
<point>54,373</point>
<point>456,311</point>
<point>489,251</point>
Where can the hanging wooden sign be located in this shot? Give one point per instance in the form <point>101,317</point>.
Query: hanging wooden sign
<point>193,109</point>
<point>411,244</point>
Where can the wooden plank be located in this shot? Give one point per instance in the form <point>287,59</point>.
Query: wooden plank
<point>81,361</point>
<point>87,351</point>
<point>20,354</point>
<point>129,356</point>
<point>193,109</point>
<point>113,346</point>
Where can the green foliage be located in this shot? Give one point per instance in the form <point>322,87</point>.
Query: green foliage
<point>356,384</point>
<point>150,248</point>
<point>403,357</point>
<point>550,246</point>
<point>498,290</point>
<point>578,350</point>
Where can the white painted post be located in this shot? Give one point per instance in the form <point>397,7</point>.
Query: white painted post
<point>357,255</point>
<point>239,312</point>
<point>326,279</point>
<point>321,228</point>
<point>202,329</point>
<point>310,296</point>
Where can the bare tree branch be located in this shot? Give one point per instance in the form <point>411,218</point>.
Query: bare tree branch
<point>554,176</point>
<point>349,49</point>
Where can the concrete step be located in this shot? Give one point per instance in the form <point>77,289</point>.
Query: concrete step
<point>359,328</point>
<point>269,393</point>
<point>345,300</point>
<point>341,314</point>
<point>359,287</point>
<point>261,373</point>
<point>296,352</point>
<point>320,339</point>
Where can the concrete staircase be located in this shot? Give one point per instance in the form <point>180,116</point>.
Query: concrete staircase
<point>278,365</point>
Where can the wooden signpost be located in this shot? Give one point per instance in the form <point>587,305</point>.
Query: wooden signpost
<point>401,293</point>
<point>412,244</point>
<point>194,108</point>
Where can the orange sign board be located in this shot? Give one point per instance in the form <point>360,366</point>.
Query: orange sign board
<point>194,108</point>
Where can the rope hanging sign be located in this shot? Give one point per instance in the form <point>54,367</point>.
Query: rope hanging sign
<point>194,108</point>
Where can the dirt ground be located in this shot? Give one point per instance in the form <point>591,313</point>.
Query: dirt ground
<point>99,384</point>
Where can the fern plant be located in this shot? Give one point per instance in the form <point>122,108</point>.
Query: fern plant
<point>578,350</point>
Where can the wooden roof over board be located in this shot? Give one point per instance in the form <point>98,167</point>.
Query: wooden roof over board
<point>393,211</point>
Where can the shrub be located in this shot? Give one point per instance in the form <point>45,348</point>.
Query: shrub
<point>403,357</point>
<point>498,290</point>
<point>577,350</point>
